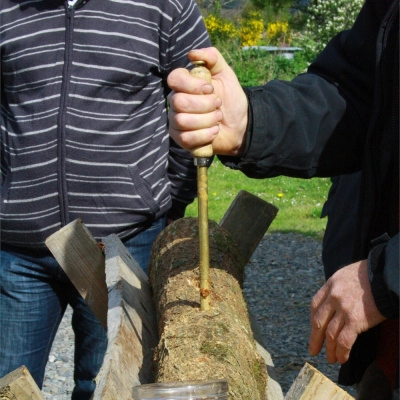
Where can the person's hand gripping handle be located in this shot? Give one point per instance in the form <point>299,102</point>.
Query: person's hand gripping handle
<point>202,158</point>
<point>200,70</point>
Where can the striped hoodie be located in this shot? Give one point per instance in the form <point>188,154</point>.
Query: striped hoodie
<point>84,115</point>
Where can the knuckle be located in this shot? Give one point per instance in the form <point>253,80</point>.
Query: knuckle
<point>314,303</point>
<point>178,120</point>
<point>330,335</point>
<point>345,341</point>
<point>316,323</point>
<point>185,140</point>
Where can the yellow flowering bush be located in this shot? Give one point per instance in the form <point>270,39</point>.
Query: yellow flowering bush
<point>219,28</point>
<point>251,29</point>
<point>278,33</point>
<point>248,31</point>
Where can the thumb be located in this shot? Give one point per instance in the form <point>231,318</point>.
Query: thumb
<point>214,60</point>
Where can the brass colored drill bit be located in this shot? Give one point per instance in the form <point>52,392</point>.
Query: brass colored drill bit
<point>202,159</point>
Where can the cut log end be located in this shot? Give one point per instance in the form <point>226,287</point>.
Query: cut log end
<point>20,385</point>
<point>311,384</point>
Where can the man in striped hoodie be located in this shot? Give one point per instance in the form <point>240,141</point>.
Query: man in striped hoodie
<point>84,135</point>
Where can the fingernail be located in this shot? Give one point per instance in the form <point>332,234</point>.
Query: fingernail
<point>218,102</point>
<point>208,89</point>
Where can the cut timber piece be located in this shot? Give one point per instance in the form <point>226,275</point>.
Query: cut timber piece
<point>132,326</point>
<point>19,385</point>
<point>273,390</point>
<point>78,254</point>
<point>252,215</point>
<point>247,219</point>
<point>200,345</point>
<point>311,384</point>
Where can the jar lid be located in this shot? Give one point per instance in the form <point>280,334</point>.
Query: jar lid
<point>184,390</point>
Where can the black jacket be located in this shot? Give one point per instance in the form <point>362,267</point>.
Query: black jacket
<point>341,117</point>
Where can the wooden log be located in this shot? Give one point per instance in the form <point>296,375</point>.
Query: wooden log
<point>311,384</point>
<point>247,219</point>
<point>19,385</point>
<point>127,361</point>
<point>195,344</point>
<point>81,258</point>
<point>132,327</point>
<point>252,215</point>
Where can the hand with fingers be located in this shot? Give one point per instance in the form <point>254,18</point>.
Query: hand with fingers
<point>201,113</point>
<point>342,309</point>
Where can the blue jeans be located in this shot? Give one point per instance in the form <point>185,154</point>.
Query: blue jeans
<point>34,293</point>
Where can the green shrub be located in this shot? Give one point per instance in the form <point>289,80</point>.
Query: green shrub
<point>325,19</point>
<point>220,29</point>
<point>255,67</point>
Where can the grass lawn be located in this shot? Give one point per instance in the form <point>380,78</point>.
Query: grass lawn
<point>299,201</point>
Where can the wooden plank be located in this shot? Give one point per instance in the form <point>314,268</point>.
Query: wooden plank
<point>253,216</point>
<point>247,219</point>
<point>19,385</point>
<point>311,384</point>
<point>80,257</point>
<point>273,390</point>
<point>132,328</point>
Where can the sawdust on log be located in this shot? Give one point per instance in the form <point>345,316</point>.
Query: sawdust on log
<point>195,344</point>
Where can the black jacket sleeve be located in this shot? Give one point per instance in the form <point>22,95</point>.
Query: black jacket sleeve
<point>315,125</point>
<point>383,268</point>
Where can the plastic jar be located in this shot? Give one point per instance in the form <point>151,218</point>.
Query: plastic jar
<point>187,390</point>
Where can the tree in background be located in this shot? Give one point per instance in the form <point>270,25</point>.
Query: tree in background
<point>219,7</point>
<point>326,18</point>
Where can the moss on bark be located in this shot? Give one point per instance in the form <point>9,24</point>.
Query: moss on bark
<point>195,344</point>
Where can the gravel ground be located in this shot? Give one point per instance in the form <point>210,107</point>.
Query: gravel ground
<point>281,279</point>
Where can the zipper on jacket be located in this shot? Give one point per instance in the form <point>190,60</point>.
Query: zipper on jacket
<point>62,180</point>
<point>75,5</point>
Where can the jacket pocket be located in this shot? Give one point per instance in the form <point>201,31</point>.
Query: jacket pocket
<point>146,203</point>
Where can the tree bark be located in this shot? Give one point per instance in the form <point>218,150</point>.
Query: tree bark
<point>195,344</point>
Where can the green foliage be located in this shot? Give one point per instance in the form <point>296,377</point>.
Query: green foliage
<point>260,4</point>
<point>299,201</point>
<point>256,67</point>
<point>278,33</point>
<point>272,6</point>
<point>325,19</point>
<point>251,29</point>
<point>220,29</point>
<point>243,32</point>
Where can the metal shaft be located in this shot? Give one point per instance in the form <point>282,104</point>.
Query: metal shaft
<point>202,158</point>
<point>202,192</point>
